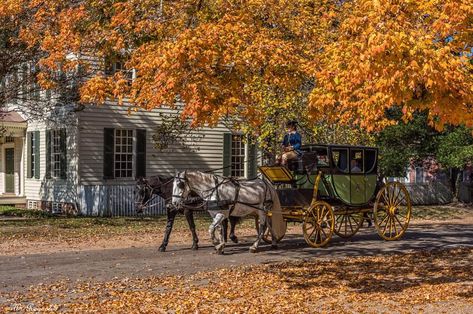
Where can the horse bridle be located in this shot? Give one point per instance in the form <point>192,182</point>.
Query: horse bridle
<point>151,190</point>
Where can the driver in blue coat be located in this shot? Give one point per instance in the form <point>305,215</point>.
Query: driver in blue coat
<point>291,144</point>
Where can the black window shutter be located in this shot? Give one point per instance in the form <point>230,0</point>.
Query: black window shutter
<point>227,153</point>
<point>140,153</point>
<point>28,153</point>
<point>37,158</point>
<point>63,141</point>
<point>252,162</point>
<point>48,154</point>
<point>108,154</point>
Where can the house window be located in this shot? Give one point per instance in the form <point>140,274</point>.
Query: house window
<point>56,153</point>
<point>237,168</point>
<point>123,154</point>
<point>118,66</point>
<point>419,175</point>
<point>32,155</point>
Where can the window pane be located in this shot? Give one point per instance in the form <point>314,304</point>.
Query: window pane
<point>340,159</point>
<point>356,161</point>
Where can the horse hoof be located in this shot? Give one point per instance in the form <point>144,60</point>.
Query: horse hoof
<point>162,249</point>
<point>253,250</point>
<point>195,247</point>
<point>234,238</point>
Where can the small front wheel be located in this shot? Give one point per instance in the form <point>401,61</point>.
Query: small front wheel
<point>318,224</point>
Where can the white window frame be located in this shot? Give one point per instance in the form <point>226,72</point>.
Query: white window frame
<point>56,153</point>
<point>238,156</point>
<point>124,155</point>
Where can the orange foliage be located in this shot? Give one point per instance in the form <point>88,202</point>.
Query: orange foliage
<point>250,60</point>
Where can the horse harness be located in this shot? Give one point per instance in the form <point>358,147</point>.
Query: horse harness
<point>218,203</point>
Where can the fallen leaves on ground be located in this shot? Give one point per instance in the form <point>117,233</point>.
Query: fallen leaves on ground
<point>414,282</point>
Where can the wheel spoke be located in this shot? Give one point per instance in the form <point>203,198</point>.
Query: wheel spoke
<point>322,229</point>
<point>313,215</point>
<point>310,235</point>
<point>388,191</point>
<point>322,213</point>
<point>351,226</point>
<point>398,203</point>
<point>384,219</point>
<point>340,223</point>
<point>386,200</point>
<point>386,226</point>
<point>394,226</point>
<point>346,225</point>
<point>316,235</point>
<point>400,224</point>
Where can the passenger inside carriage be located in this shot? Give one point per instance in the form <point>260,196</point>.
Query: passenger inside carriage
<point>291,144</point>
<point>355,166</point>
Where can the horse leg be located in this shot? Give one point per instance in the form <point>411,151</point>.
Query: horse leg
<point>190,221</point>
<point>274,243</point>
<point>217,223</point>
<point>261,231</point>
<point>233,223</point>
<point>225,229</point>
<point>171,215</point>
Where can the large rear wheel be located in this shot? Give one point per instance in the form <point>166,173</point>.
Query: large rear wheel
<point>392,211</point>
<point>318,224</point>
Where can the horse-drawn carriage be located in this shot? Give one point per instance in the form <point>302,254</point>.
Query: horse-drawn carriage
<point>334,189</point>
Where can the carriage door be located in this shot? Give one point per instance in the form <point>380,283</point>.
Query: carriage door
<point>357,177</point>
<point>370,173</point>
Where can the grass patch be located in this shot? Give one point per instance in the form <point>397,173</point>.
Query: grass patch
<point>10,211</point>
<point>434,212</point>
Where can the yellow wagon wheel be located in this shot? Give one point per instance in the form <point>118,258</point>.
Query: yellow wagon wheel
<point>267,234</point>
<point>392,211</point>
<point>318,224</point>
<point>347,224</point>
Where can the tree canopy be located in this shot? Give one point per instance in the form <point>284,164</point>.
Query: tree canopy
<point>257,63</point>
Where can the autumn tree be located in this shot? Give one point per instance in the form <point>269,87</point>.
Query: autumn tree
<point>387,53</point>
<point>21,67</point>
<point>254,63</point>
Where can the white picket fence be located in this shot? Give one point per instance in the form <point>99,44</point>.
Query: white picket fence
<point>115,201</point>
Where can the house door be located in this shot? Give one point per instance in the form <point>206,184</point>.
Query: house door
<point>9,170</point>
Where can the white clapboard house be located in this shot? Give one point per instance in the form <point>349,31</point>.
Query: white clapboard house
<point>86,161</point>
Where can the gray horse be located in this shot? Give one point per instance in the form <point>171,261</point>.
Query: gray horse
<point>228,196</point>
<point>161,186</point>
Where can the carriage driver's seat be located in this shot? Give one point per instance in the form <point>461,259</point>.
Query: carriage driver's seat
<point>306,162</point>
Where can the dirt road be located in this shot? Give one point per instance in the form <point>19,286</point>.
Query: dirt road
<point>18,272</point>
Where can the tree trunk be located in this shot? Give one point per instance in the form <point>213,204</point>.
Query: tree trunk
<point>455,180</point>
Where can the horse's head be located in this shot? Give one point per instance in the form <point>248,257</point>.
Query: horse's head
<point>180,189</point>
<point>143,193</point>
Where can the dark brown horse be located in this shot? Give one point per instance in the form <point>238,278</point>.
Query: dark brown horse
<point>146,188</point>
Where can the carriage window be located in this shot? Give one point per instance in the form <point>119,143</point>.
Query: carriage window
<point>340,159</point>
<point>370,160</point>
<point>356,161</point>
<point>322,156</point>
